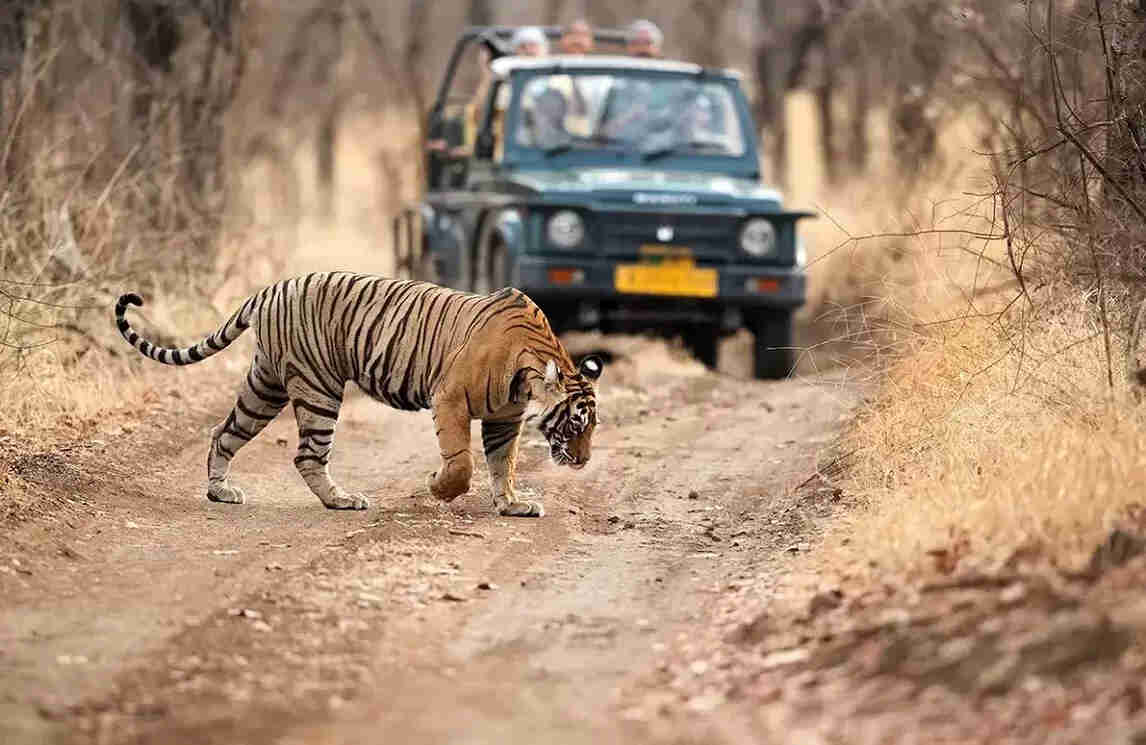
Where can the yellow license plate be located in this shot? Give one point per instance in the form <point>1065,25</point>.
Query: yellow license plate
<point>669,277</point>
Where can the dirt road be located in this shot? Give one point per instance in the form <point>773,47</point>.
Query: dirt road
<point>136,611</point>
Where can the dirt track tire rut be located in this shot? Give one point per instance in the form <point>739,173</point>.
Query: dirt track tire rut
<point>280,621</point>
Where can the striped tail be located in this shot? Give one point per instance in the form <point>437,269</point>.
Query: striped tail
<point>216,342</point>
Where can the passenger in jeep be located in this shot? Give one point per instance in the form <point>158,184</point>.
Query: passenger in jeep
<point>646,39</point>
<point>545,121</point>
<point>576,38</point>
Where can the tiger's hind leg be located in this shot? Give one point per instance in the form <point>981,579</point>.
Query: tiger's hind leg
<point>317,415</point>
<point>260,399</point>
<point>499,439</point>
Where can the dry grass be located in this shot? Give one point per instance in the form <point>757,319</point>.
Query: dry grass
<point>995,437</point>
<point>994,427</point>
<point>65,366</point>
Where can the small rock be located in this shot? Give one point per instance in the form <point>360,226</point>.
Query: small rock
<point>705,702</point>
<point>1012,594</point>
<point>486,586</point>
<point>244,613</point>
<point>699,667</point>
<point>753,631</point>
<point>694,494</point>
<point>453,598</point>
<point>614,519</point>
<point>825,601</point>
<point>71,659</point>
<point>52,711</point>
<point>281,442</point>
<point>796,548</point>
<point>784,657</point>
<point>1118,548</point>
<point>262,626</point>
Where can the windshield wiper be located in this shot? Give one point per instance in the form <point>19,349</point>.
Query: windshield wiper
<point>561,147</point>
<point>661,151</point>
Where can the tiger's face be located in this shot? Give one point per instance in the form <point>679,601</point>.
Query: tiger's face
<point>566,411</point>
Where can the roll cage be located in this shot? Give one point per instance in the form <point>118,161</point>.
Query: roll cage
<point>494,38</point>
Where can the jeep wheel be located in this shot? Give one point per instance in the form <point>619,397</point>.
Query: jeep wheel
<point>498,271</point>
<point>772,350</point>
<point>425,269</point>
<point>703,345</point>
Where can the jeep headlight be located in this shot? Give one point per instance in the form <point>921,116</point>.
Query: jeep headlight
<point>758,237</point>
<point>566,229</point>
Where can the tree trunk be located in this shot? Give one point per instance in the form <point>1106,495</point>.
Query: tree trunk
<point>825,93</point>
<point>326,138</point>
<point>480,13</point>
<point>859,149</point>
<point>709,16</point>
<point>770,75</point>
<point>553,10</point>
<point>13,42</point>
<point>1125,144</point>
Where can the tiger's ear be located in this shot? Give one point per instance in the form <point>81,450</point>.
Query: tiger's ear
<point>553,377</point>
<point>591,367</point>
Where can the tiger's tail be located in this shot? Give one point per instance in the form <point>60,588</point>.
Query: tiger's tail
<point>232,329</point>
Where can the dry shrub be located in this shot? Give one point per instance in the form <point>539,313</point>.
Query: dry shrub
<point>998,433</point>
<point>887,257</point>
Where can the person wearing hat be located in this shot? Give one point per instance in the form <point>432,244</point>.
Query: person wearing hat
<point>645,39</point>
<point>529,41</point>
<point>635,105</point>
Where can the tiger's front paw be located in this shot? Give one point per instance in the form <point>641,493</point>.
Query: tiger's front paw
<point>523,509</point>
<point>340,500</point>
<point>221,491</point>
<point>448,489</point>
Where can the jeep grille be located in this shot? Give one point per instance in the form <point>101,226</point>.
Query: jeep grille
<point>712,237</point>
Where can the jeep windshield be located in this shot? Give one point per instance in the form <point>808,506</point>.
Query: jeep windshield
<point>646,117</point>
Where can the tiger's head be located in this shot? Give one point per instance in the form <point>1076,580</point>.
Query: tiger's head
<point>565,408</point>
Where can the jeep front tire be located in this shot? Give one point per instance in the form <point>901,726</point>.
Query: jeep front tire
<point>773,355</point>
<point>703,344</point>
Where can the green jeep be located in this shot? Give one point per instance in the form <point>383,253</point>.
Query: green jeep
<point>621,194</point>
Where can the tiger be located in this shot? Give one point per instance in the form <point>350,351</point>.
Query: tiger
<point>410,345</point>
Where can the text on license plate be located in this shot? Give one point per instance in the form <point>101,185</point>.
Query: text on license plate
<point>680,277</point>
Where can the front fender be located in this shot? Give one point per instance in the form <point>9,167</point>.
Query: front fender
<point>444,234</point>
<point>503,226</point>
<point>509,226</point>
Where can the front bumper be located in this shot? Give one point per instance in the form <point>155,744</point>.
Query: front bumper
<point>786,288</point>
<point>594,301</point>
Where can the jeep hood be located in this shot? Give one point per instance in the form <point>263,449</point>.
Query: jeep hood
<point>644,187</point>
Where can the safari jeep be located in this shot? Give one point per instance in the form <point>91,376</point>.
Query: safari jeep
<point>621,194</point>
